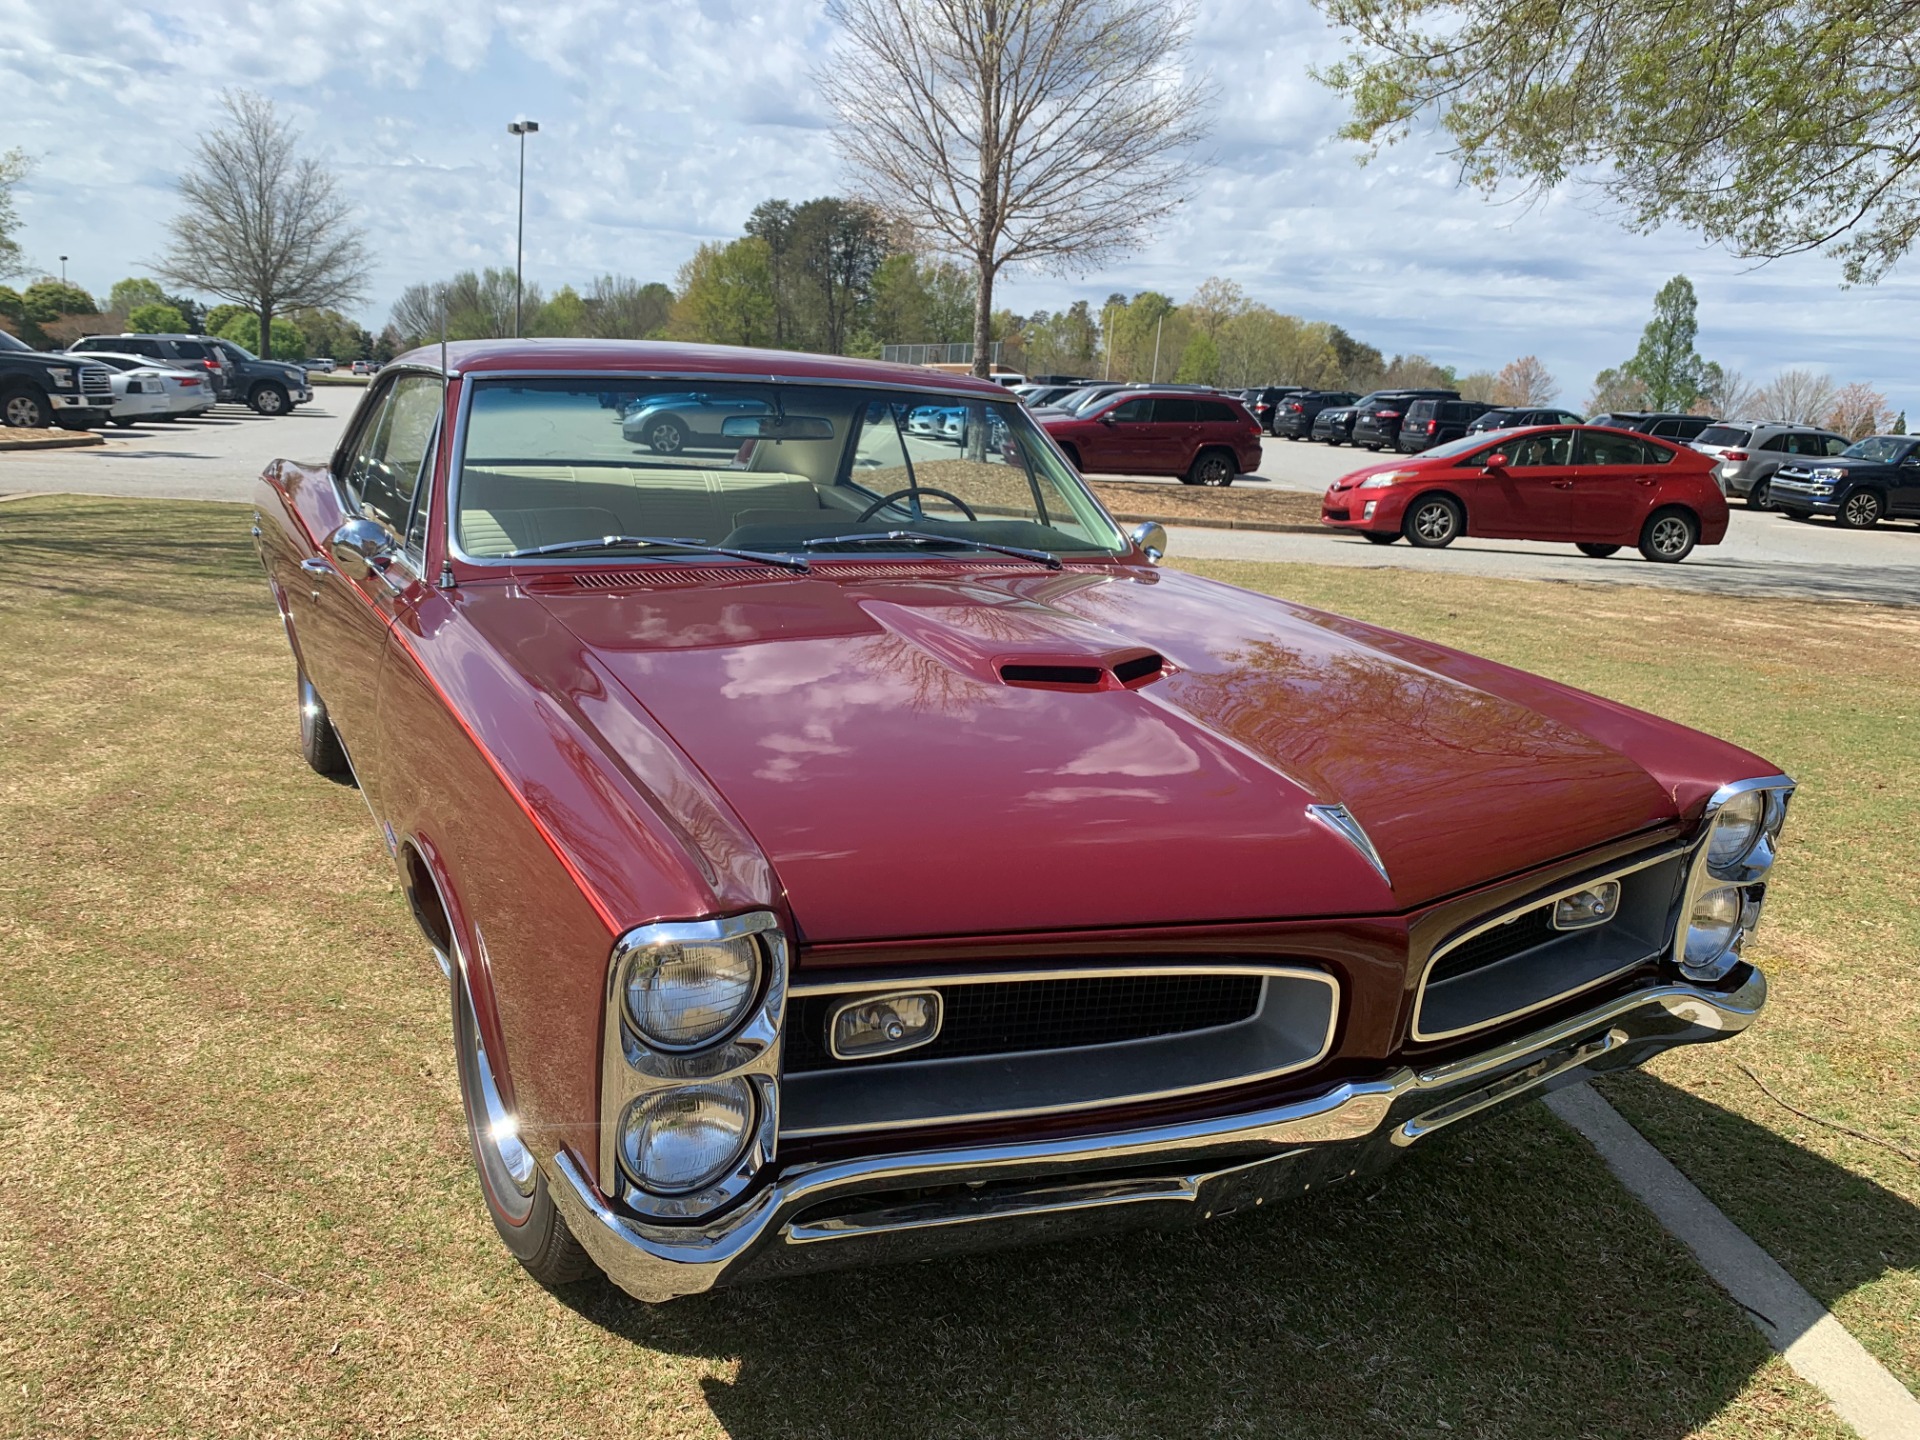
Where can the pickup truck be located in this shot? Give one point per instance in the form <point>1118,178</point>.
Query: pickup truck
<point>38,391</point>
<point>1869,481</point>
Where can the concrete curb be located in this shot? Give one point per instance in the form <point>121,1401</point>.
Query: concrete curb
<point>1862,1391</point>
<point>63,442</point>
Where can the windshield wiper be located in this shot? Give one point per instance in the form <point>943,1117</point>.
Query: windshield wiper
<point>625,542</point>
<point>923,537</point>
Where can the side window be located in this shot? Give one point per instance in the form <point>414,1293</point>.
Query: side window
<point>1832,445</point>
<point>1127,411</point>
<point>142,347</point>
<point>1599,449</point>
<point>1785,442</point>
<point>880,455</point>
<point>1533,452</point>
<point>387,460</point>
<point>1170,411</point>
<point>1213,412</point>
<point>189,350</point>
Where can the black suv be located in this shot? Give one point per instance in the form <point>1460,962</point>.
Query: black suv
<point>1519,417</point>
<point>1666,425</point>
<point>1434,422</point>
<point>39,391</point>
<point>1376,421</point>
<point>1869,481</point>
<point>1263,403</point>
<point>1293,417</point>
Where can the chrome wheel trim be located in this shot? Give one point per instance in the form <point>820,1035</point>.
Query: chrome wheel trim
<point>506,1166</point>
<point>1434,521</point>
<point>665,438</point>
<point>269,402</point>
<point>1670,535</point>
<point>311,711</point>
<point>22,411</point>
<point>1215,471</point>
<point>1863,508</point>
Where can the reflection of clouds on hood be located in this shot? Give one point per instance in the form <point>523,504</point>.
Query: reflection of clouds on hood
<point>791,752</point>
<point>1145,748</point>
<point>1068,794</point>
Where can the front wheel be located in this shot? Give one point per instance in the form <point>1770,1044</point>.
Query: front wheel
<point>1598,552</point>
<point>1669,536</point>
<point>1214,468</point>
<point>319,741</point>
<point>1761,496</point>
<point>666,436</point>
<point>24,410</point>
<point>268,400</point>
<point>1861,510</point>
<point>515,1191</point>
<point>1434,522</point>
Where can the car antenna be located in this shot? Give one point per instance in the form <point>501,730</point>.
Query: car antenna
<point>447,581</point>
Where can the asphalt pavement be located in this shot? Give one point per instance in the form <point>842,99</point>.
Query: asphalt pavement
<point>218,456</point>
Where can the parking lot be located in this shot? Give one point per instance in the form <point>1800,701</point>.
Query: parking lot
<point>218,456</point>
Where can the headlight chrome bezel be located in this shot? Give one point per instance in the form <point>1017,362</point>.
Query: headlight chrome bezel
<point>635,1067</point>
<point>1742,868</point>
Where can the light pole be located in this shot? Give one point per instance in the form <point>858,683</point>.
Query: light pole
<point>522,128</point>
<point>63,269</point>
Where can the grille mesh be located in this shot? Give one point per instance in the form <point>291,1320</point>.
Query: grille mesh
<point>1004,1018</point>
<point>1523,932</point>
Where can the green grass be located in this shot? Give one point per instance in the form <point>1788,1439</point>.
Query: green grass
<point>234,1195</point>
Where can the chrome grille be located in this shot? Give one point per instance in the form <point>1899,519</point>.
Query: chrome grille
<point>1017,1016</point>
<point>96,380</point>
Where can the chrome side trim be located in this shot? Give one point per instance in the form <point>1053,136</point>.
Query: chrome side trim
<point>1340,820</point>
<point>1225,1161</point>
<point>886,979</point>
<point>630,1068</point>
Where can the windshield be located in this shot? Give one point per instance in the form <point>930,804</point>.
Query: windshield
<point>240,350</point>
<point>10,342</point>
<point>760,466</point>
<point>1884,448</point>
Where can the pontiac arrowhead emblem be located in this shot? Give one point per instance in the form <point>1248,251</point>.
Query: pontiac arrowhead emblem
<point>1335,817</point>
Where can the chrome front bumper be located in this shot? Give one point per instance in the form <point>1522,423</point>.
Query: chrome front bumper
<point>878,1208</point>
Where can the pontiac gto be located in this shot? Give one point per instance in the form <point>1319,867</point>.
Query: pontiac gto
<point>843,845</point>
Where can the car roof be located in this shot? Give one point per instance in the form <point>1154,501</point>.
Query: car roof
<point>645,358</point>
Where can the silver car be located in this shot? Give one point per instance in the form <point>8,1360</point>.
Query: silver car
<point>1749,451</point>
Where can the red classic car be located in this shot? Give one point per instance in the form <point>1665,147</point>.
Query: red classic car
<point>1601,489</point>
<point>844,846</point>
<point>1204,438</point>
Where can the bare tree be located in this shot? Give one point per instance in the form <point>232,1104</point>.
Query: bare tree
<point>263,227</point>
<point>1042,133</point>
<point>1727,395</point>
<point>1798,397</point>
<point>1857,411</point>
<point>15,166</point>
<point>1526,381</point>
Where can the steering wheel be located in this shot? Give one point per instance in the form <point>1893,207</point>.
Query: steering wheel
<point>914,494</point>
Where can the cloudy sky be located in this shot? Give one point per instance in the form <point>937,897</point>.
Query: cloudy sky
<point>663,124</point>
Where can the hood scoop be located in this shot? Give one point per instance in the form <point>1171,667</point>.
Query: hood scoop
<point>1024,645</point>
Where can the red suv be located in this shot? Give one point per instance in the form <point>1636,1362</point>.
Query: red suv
<point>1600,489</point>
<point>1204,439</point>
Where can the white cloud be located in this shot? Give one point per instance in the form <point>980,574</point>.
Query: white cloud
<point>664,124</point>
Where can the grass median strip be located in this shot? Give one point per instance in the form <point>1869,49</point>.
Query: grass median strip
<point>236,1198</point>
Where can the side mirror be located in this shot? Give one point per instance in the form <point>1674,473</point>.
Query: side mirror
<point>1495,464</point>
<point>362,549</point>
<point>1107,419</point>
<point>1152,538</point>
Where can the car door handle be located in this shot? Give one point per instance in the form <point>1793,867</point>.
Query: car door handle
<point>316,566</point>
<point>1561,484</point>
<point>1646,480</point>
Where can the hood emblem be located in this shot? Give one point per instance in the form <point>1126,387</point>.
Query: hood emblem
<point>1337,818</point>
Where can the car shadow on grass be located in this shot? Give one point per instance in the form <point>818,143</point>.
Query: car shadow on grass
<point>1499,1282</point>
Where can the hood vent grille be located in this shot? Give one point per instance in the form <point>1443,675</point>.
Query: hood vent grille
<point>1087,677</point>
<point>1129,674</point>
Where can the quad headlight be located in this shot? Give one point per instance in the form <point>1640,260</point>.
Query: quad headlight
<point>681,1140</point>
<point>1727,881</point>
<point>690,1067</point>
<point>680,997</point>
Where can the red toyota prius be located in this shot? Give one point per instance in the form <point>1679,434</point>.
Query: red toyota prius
<point>1600,489</point>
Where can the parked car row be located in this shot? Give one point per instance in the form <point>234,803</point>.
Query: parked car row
<point>268,387</point>
<point>1205,438</point>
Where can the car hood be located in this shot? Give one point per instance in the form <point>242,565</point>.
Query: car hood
<point>865,732</point>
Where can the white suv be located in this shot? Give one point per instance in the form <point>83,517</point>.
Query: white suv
<point>1749,451</point>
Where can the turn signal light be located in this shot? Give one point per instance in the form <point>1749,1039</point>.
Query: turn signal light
<point>884,1024</point>
<point>1593,906</point>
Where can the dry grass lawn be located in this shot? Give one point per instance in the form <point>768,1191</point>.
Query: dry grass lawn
<point>234,1197</point>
